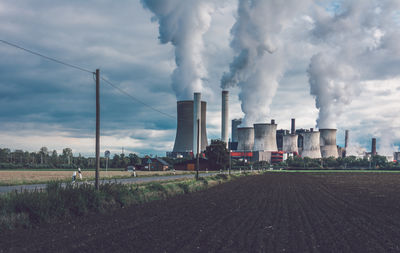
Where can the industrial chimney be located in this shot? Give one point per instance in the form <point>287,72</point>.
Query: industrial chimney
<point>245,138</point>
<point>225,117</point>
<point>373,147</point>
<point>293,128</point>
<point>328,143</point>
<point>196,118</point>
<point>265,137</point>
<point>184,131</point>
<point>311,146</point>
<point>346,139</point>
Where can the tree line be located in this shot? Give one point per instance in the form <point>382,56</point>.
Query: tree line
<point>44,158</point>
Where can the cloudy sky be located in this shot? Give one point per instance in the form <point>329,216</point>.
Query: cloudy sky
<point>340,57</point>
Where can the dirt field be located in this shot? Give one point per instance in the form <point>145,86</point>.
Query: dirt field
<point>10,177</point>
<point>274,212</point>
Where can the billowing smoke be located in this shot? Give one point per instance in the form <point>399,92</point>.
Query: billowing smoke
<point>260,57</point>
<point>358,41</point>
<point>183,24</point>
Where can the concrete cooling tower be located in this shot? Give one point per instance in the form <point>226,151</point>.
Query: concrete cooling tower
<point>328,143</point>
<point>184,130</point>
<point>311,146</point>
<point>245,138</point>
<point>265,137</point>
<point>290,143</point>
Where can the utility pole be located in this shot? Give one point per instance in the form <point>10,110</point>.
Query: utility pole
<point>197,155</point>
<point>230,159</point>
<point>97,128</point>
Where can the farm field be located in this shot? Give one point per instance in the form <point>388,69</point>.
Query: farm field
<point>17,177</point>
<point>272,212</point>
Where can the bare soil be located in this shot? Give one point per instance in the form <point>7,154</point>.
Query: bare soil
<point>273,212</point>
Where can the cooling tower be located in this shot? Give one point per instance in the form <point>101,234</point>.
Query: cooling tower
<point>235,124</point>
<point>245,138</point>
<point>311,147</point>
<point>265,137</point>
<point>184,131</point>
<point>328,143</point>
<point>290,143</point>
<point>225,117</point>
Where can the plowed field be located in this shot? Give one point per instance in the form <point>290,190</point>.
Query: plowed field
<point>274,212</point>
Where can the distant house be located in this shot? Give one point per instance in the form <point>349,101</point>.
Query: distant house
<point>156,164</point>
<point>190,165</point>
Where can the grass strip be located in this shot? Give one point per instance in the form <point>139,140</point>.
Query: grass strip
<point>32,208</point>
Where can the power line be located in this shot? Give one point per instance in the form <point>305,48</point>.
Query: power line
<point>88,71</point>
<point>135,99</point>
<point>46,57</point>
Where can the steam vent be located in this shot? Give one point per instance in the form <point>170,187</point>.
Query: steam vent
<point>184,132</point>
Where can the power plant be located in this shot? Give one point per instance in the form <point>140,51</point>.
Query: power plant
<point>260,142</point>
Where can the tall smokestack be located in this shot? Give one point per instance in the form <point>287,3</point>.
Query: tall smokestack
<point>225,117</point>
<point>346,142</point>
<point>293,128</point>
<point>373,148</point>
<point>196,117</point>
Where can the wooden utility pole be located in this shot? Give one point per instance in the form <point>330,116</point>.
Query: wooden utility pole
<point>197,155</point>
<point>230,159</point>
<point>97,128</point>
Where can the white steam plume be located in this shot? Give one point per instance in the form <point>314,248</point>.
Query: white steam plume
<point>259,62</point>
<point>358,41</point>
<point>183,24</point>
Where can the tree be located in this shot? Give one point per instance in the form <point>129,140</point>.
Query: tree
<point>54,157</point>
<point>134,159</point>
<point>67,155</point>
<point>217,154</point>
<point>115,161</point>
<point>44,152</point>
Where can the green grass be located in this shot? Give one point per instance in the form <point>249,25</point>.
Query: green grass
<point>102,177</point>
<point>32,208</point>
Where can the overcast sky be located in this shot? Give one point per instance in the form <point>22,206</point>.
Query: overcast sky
<point>43,103</point>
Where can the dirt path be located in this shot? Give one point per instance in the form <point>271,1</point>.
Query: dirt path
<point>275,212</point>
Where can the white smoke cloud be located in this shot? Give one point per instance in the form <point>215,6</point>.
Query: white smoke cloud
<point>183,24</point>
<point>358,41</point>
<point>259,58</point>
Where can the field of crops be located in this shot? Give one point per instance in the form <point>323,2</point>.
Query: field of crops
<point>16,177</point>
<point>272,212</point>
